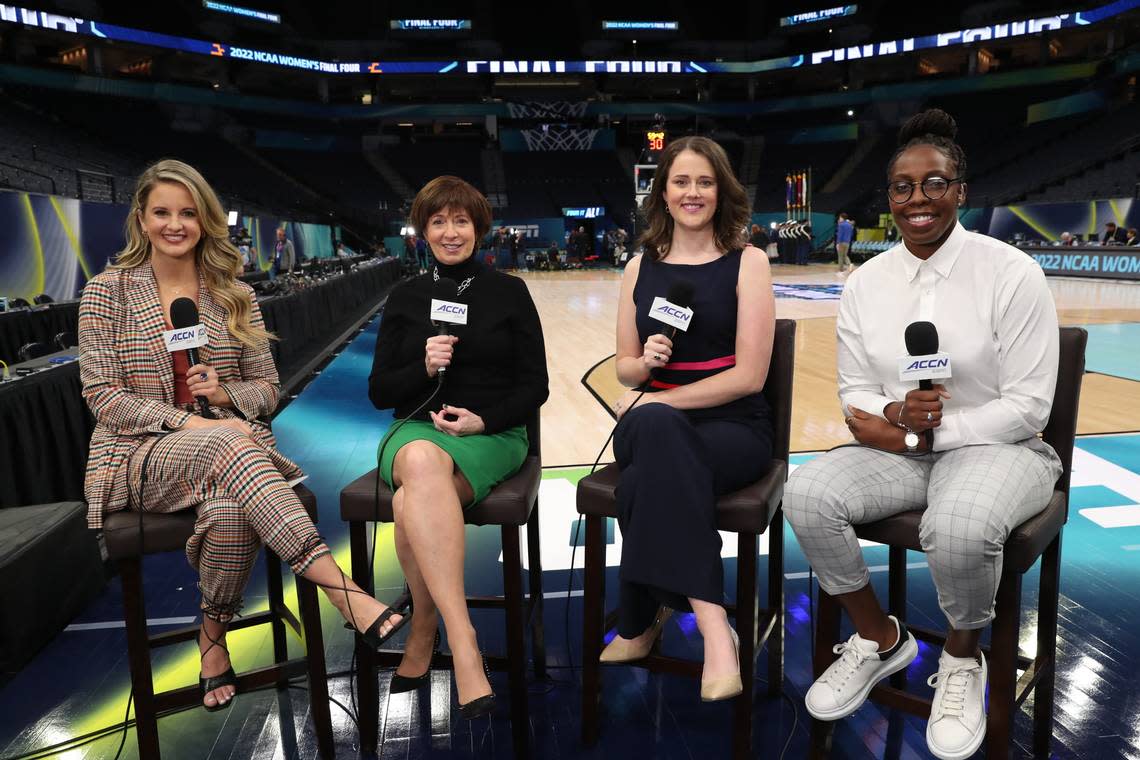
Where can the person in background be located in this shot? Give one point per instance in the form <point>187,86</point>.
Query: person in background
<point>502,248</point>
<point>585,244</point>
<point>1067,239</point>
<point>986,472</point>
<point>516,246</point>
<point>410,250</point>
<point>422,251</point>
<point>553,260</point>
<point>284,255</point>
<point>1113,235</point>
<point>802,234</point>
<point>758,237</point>
<point>245,247</point>
<point>572,246</point>
<point>621,254</point>
<point>844,234</point>
<point>1131,238</point>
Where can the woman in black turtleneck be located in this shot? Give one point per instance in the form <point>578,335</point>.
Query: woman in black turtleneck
<point>473,433</point>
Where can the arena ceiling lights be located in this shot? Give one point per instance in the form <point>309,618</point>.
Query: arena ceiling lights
<point>68,24</point>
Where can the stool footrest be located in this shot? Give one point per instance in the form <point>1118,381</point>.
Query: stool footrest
<point>931,636</point>
<point>248,681</point>
<point>190,632</point>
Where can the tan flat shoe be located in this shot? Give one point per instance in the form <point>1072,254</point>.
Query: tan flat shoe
<point>725,687</point>
<point>623,650</point>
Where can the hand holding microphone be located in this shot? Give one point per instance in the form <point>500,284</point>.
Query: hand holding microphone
<point>202,380</point>
<point>445,311</point>
<point>921,409</point>
<point>675,312</point>
<point>658,349</point>
<point>438,353</point>
<point>188,335</point>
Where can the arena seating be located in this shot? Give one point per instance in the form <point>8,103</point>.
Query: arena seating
<point>541,183</point>
<point>91,147</point>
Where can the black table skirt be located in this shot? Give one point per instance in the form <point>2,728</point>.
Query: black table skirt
<point>23,326</point>
<point>304,319</point>
<point>45,426</point>
<point>44,431</point>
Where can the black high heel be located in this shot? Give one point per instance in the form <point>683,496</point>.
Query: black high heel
<point>403,684</point>
<point>481,706</point>
<point>228,678</point>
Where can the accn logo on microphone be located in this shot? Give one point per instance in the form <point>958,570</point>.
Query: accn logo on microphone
<point>182,338</point>
<point>448,311</point>
<point>671,314</point>
<point>925,367</point>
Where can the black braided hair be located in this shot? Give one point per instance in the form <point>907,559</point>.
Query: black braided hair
<point>932,127</point>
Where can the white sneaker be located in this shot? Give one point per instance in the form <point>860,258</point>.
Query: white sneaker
<point>957,723</point>
<point>844,686</point>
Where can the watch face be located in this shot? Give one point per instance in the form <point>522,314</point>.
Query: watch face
<point>911,440</point>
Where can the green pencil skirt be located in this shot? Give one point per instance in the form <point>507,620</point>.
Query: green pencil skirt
<point>485,460</point>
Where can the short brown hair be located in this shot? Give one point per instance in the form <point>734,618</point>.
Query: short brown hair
<point>732,208</point>
<point>454,193</point>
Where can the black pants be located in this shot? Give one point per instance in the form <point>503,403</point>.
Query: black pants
<point>673,468</point>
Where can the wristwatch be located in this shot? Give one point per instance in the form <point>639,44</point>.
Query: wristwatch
<point>910,440</point>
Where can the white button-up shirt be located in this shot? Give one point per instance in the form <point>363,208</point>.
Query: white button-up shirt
<point>995,318</point>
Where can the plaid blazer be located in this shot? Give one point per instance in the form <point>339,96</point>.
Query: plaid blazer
<point>128,378</point>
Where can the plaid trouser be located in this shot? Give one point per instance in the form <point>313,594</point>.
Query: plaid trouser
<point>972,498</point>
<point>241,499</point>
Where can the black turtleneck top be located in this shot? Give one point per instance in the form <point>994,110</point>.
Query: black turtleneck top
<point>498,370</point>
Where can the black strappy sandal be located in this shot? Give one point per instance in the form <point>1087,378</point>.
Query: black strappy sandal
<point>372,636</point>
<point>206,685</point>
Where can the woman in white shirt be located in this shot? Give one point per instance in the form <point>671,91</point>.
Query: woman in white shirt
<point>987,471</point>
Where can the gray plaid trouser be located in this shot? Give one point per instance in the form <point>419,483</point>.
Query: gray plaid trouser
<point>973,497</point>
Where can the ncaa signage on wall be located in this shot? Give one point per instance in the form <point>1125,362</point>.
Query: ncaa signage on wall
<point>30,17</point>
<point>1112,263</point>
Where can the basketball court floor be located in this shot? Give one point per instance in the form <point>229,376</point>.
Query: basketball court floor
<point>79,684</point>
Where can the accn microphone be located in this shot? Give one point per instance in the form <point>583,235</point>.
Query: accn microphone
<point>921,341</point>
<point>674,309</point>
<point>923,362</point>
<point>188,335</point>
<point>445,310</point>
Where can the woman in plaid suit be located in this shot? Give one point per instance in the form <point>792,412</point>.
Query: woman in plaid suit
<point>151,453</point>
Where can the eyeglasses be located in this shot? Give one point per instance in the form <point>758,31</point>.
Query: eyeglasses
<point>932,187</point>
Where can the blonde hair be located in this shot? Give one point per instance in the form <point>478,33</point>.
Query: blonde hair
<point>217,259</point>
<point>732,212</point>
